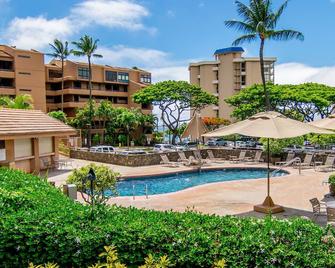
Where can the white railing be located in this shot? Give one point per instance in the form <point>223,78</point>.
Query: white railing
<point>296,160</point>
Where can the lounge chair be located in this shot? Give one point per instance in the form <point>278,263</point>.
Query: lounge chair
<point>329,164</point>
<point>319,209</point>
<point>307,161</point>
<point>198,157</point>
<point>240,158</point>
<point>213,159</point>
<point>289,158</point>
<point>187,162</point>
<point>165,161</point>
<point>257,159</point>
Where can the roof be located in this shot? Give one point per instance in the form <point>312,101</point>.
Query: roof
<point>228,50</point>
<point>31,123</point>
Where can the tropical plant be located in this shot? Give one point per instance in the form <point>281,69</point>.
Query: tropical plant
<point>259,21</point>
<point>128,120</point>
<point>215,122</point>
<point>86,46</point>
<point>304,102</point>
<point>173,99</point>
<point>22,101</point>
<point>104,185</point>
<point>61,52</point>
<point>277,145</point>
<point>59,115</point>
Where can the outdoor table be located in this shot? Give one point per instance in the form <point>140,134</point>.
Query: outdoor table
<point>65,163</point>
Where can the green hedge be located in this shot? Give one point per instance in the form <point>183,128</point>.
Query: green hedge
<point>38,224</point>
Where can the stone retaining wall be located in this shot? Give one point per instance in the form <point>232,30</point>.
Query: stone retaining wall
<point>149,159</point>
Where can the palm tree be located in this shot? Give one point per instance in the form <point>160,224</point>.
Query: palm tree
<point>86,46</point>
<point>259,21</point>
<point>23,101</point>
<point>60,51</point>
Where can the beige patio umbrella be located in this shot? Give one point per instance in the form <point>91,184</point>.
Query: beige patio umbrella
<point>195,128</point>
<point>328,123</point>
<point>270,125</point>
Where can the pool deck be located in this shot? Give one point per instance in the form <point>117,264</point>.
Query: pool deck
<point>292,191</point>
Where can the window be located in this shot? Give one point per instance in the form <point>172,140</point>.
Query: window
<point>24,56</point>
<point>45,145</point>
<point>111,76</point>
<point>6,65</point>
<point>23,148</point>
<point>77,84</point>
<point>25,73</point>
<point>2,151</point>
<point>146,78</point>
<point>83,73</point>
<point>123,77</point>
<point>7,82</point>
<point>243,80</point>
<point>243,67</point>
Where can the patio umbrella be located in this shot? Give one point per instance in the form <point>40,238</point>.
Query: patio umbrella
<point>270,125</point>
<point>328,123</point>
<point>195,128</point>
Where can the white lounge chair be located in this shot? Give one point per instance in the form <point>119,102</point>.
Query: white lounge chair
<point>186,161</point>
<point>214,159</point>
<point>165,161</point>
<point>257,159</point>
<point>329,164</point>
<point>198,157</point>
<point>289,157</point>
<point>307,163</point>
<point>240,158</point>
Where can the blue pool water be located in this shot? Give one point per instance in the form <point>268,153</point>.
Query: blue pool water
<point>176,182</point>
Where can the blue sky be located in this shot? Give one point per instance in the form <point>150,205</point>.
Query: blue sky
<point>163,36</point>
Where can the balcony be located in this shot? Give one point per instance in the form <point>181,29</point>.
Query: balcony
<point>74,91</point>
<point>7,73</point>
<point>216,68</point>
<point>215,82</point>
<point>7,90</point>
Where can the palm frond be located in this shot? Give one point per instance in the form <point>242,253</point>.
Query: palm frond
<point>240,26</point>
<point>97,55</point>
<point>78,53</point>
<point>276,16</point>
<point>244,11</point>
<point>245,39</point>
<point>284,35</point>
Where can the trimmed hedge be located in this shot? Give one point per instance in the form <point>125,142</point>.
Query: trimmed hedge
<point>38,224</point>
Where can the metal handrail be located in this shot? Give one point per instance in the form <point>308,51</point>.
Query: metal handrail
<point>294,160</point>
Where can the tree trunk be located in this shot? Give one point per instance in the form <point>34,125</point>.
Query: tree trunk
<point>174,137</point>
<point>266,92</point>
<point>62,96</point>
<point>90,102</point>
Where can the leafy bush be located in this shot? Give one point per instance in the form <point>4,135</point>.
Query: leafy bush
<point>331,179</point>
<point>59,115</point>
<point>38,224</point>
<point>277,145</point>
<point>104,185</point>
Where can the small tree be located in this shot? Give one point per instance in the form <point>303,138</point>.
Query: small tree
<point>22,101</point>
<point>173,99</point>
<point>59,115</point>
<point>104,185</point>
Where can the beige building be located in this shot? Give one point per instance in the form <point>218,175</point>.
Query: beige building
<point>29,139</point>
<point>24,72</point>
<point>109,83</point>
<point>224,77</point>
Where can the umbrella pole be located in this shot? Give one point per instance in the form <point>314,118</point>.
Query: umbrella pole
<point>268,205</point>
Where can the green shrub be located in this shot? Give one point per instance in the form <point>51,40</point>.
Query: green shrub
<point>331,179</point>
<point>38,224</point>
<point>104,185</point>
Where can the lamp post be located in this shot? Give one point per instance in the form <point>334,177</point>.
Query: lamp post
<point>91,177</point>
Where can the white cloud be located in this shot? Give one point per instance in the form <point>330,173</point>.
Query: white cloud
<point>110,13</point>
<point>296,73</point>
<point>122,55</point>
<point>36,32</point>
<point>170,73</point>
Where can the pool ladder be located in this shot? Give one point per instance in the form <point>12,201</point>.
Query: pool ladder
<point>146,192</point>
<point>294,160</point>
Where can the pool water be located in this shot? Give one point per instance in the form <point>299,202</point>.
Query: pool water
<point>176,182</point>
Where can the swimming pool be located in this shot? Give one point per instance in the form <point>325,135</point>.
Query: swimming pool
<point>175,182</point>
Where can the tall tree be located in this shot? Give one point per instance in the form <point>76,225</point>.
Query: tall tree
<point>174,98</point>
<point>23,101</point>
<point>259,21</point>
<point>86,46</point>
<point>61,52</point>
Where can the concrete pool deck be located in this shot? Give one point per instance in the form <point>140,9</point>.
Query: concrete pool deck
<point>292,191</point>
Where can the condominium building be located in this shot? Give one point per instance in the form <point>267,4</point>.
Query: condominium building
<point>24,72</point>
<point>225,76</point>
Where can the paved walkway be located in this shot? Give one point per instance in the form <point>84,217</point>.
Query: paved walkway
<point>225,198</point>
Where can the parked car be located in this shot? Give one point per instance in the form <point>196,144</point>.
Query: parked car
<point>133,152</point>
<point>164,148</point>
<point>241,144</point>
<point>217,142</point>
<point>102,149</point>
<point>294,148</point>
